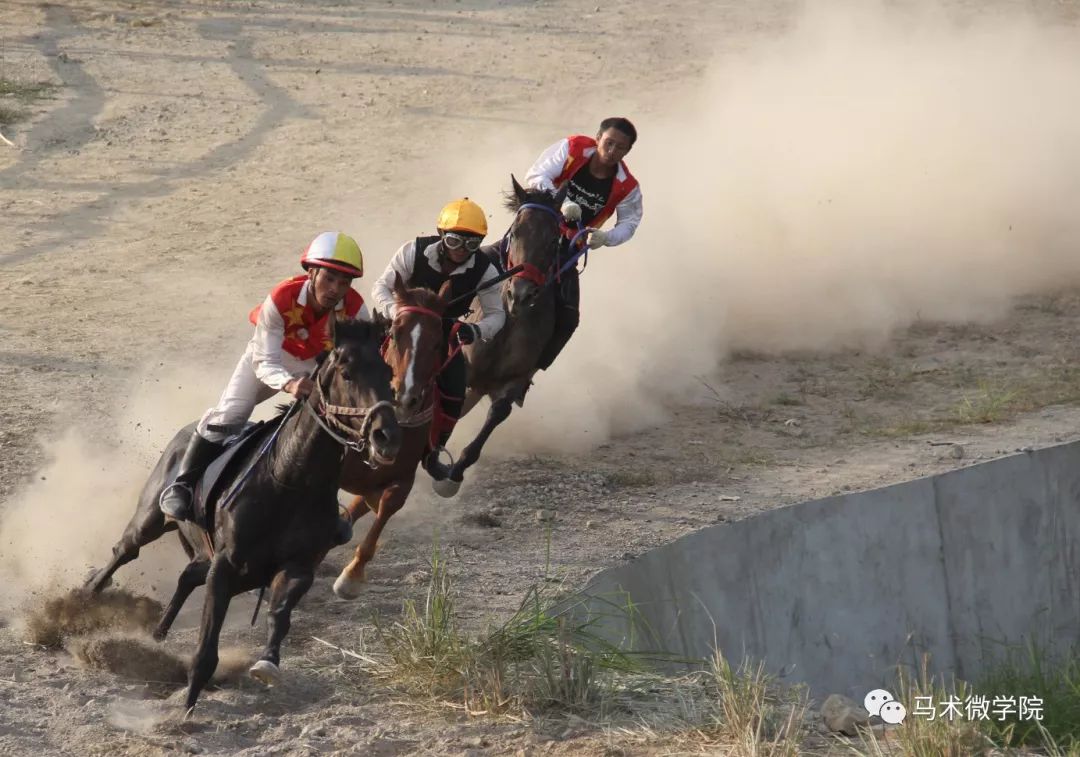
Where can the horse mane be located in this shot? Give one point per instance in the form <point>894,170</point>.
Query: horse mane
<point>352,330</point>
<point>424,298</point>
<point>539,196</point>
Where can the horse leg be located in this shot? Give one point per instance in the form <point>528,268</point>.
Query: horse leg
<point>219,583</point>
<point>193,576</point>
<point>146,526</point>
<point>497,413</point>
<point>347,585</point>
<point>472,398</point>
<point>288,586</point>
<point>359,507</point>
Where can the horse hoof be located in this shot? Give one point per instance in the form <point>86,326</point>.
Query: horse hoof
<point>159,635</point>
<point>266,672</point>
<point>89,582</point>
<point>446,488</point>
<point>347,588</point>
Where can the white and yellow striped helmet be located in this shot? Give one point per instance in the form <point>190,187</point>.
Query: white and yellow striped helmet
<point>335,250</point>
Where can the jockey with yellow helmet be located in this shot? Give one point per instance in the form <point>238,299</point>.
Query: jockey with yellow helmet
<point>292,326</point>
<point>429,262</point>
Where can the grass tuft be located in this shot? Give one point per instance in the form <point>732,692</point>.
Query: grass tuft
<point>15,96</point>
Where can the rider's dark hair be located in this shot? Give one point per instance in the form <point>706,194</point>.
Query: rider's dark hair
<point>621,124</point>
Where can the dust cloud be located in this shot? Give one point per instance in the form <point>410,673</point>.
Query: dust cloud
<point>75,508</point>
<point>870,167</point>
<point>818,189</point>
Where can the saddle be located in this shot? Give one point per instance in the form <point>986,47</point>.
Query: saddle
<point>226,469</point>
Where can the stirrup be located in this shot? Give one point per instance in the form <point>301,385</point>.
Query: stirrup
<point>442,484</point>
<point>435,467</point>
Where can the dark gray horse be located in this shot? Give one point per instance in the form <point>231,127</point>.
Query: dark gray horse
<point>281,519</point>
<point>502,367</point>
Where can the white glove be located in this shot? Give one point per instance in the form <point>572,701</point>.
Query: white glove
<point>571,211</point>
<point>597,238</point>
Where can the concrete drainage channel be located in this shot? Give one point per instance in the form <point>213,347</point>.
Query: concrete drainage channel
<point>836,592</point>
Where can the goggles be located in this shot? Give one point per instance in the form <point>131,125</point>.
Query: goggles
<point>454,241</point>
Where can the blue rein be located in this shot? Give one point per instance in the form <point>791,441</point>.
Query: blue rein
<point>581,232</point>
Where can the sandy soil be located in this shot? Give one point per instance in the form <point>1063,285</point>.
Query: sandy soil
<point>189,152</point>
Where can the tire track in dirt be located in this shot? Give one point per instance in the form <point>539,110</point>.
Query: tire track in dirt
<point>89,219</point>
<point>67,127</point>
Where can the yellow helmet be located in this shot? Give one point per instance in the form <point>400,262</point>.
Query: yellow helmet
<point>335,250</point>
<point>463,215</point>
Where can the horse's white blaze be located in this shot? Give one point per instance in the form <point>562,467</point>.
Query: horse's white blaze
<point>410,378</point>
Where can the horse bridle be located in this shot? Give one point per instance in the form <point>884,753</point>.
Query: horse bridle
<point>421,417</point>
<point>328,417</point>
<point>528,271</point>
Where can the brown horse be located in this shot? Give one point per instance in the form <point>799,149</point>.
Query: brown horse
<point>415,356</point>
<point>501,368</point>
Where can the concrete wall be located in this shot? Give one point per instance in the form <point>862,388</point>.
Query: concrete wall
<point>836,592</point>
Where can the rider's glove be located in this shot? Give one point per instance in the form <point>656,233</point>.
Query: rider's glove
<point>597,238</point>
<point>571,211</point>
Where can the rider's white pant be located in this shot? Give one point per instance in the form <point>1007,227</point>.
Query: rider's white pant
<point>243,392</point>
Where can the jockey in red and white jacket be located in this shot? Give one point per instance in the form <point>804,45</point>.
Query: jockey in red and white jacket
<point>292,326</point>
<point>598,185</point>
<point>562,162</point>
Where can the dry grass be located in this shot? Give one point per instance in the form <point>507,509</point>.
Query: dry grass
<point>15,96</point>
<point>1057,684</point>
<point>751,716</point>
<point>544,656</point>
<point>546,663</point>
<point>990,402</point>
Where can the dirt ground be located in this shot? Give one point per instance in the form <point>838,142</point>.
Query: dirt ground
<point>190,149</point>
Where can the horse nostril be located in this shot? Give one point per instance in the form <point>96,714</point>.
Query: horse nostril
<point>380,437</point>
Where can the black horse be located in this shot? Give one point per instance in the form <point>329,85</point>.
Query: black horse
<point>501,368</point>
<point>274,501</point>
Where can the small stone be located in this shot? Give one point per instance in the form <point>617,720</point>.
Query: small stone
<point>590,524</point>
<point>951,452</point>
<point>544,515</point>
<point>843,715</point>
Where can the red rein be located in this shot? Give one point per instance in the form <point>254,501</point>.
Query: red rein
<point>453,332</point>
<point>529,272</point>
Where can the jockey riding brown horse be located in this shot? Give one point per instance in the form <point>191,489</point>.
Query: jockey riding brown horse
<point>415,355</point>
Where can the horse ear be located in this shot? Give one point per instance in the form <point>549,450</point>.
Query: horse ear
<point>446,290</point>
<point>519,191</point>
<point>399,285</point>
<point>380,325</point>
<point>560,196</point>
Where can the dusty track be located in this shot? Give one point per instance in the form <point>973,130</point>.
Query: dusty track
<point>194,147</point>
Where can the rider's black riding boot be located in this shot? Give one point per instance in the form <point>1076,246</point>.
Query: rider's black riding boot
<point>176,501</point>
<point>567,297</point>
